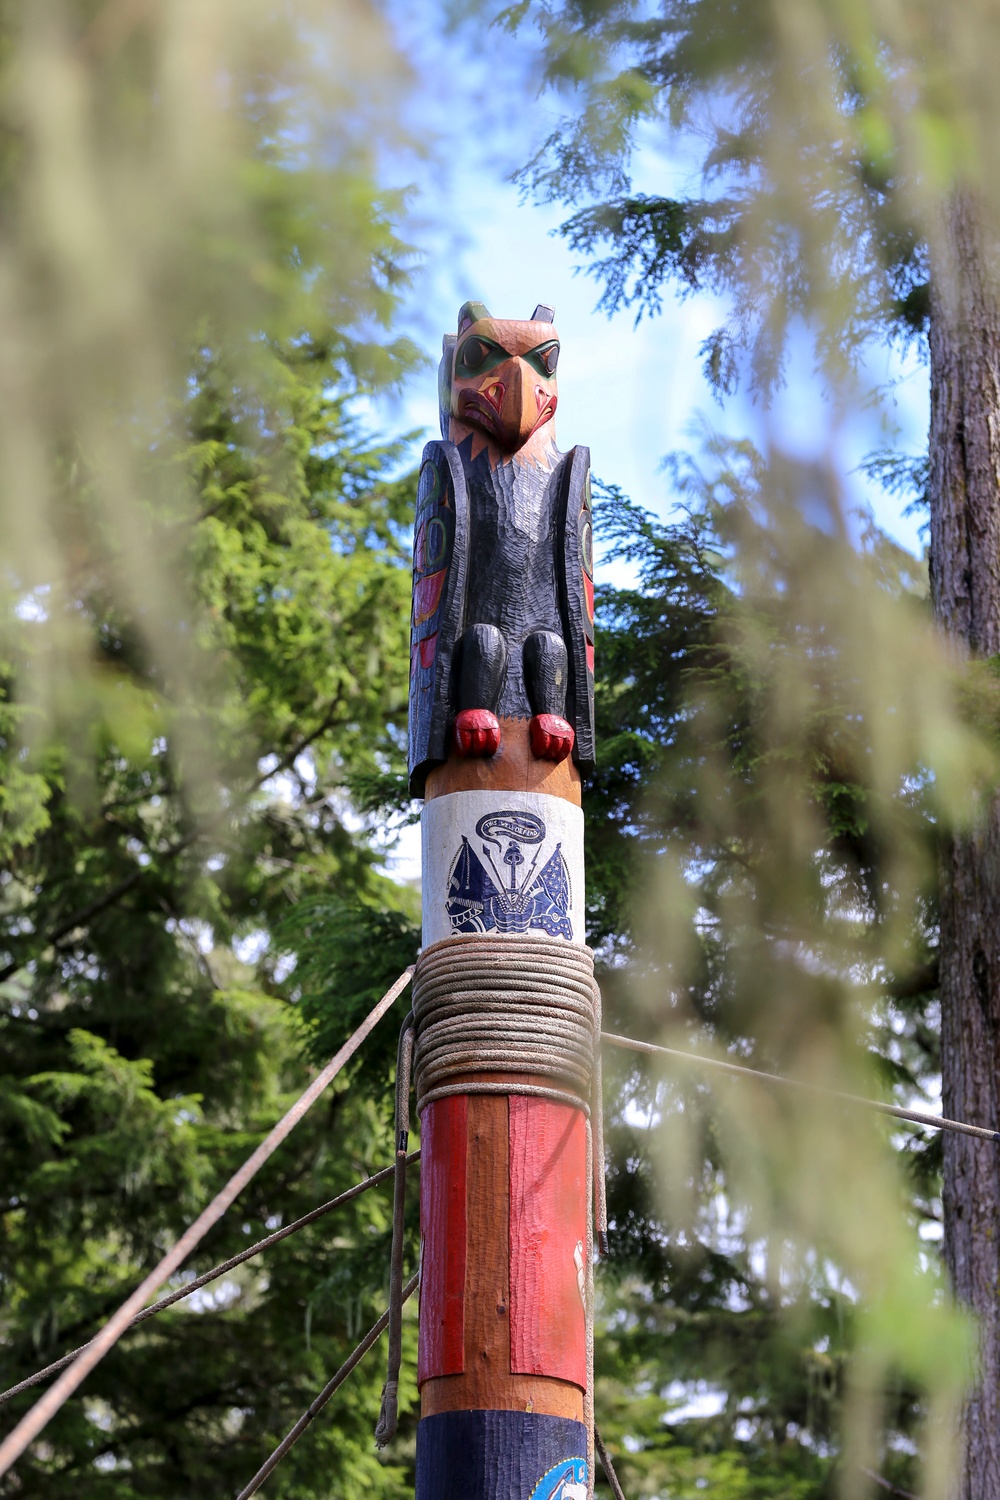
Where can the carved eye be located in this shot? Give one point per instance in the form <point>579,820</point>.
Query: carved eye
<point>544,358</point>
<point>473,353</point>
<point>587,548</point>
<point>435,542</point>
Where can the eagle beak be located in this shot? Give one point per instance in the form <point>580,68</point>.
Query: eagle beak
<point>526,404</point>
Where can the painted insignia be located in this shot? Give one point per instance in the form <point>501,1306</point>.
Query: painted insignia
<point>482,900</point>
<point>566,1481</point>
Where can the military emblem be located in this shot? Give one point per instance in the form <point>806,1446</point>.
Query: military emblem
<point>483,897</point>
<point>566,1481</point>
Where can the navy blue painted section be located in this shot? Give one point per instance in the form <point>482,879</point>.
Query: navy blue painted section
<point>500,1455</point>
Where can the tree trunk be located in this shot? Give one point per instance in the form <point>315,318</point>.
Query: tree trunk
<point>965,587</point>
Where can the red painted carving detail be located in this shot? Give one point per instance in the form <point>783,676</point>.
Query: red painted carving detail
<point>590,659</point>
<point>588,589</point>
<point>477,732</point>
<point>551,737</point>
<point>443,1153</point>
<point>548,1239</point>
<point>428,647</point>
<point>426,593</point>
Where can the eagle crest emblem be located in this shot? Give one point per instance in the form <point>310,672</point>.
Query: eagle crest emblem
<point>484,898</point>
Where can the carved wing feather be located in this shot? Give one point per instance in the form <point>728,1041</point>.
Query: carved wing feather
<point>440,548</point>
<point>577,600</point>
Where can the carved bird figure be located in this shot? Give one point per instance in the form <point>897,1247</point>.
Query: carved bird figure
<point>503,595</point>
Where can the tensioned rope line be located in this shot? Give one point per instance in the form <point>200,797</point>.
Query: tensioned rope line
<point>315,1407</point>
<point>608,1467</point>
<point>385,1431</point>
<point>46,1407</point>
<point>191,1287</point>
<point>699,1060</point>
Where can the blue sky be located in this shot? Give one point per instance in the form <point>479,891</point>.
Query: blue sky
<point>632,393</point>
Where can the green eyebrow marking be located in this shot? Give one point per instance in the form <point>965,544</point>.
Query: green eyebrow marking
<point>544,358</point>
<point>478,355</point>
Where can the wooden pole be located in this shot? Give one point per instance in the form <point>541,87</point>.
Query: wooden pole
<point>501,724</point>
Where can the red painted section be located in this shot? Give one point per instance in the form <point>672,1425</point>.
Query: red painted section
<point>428,648</point>
<point>590,659</point>
<point>551,737</point>
<point>444,1145</point>
<point>477,732</point>
<point>427,595</point>
<point>588,590</point>
<point>548,1239</point>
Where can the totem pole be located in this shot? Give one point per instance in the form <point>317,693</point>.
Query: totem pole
<point>501,729</point>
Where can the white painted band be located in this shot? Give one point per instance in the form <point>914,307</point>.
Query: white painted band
<point>501,864</point>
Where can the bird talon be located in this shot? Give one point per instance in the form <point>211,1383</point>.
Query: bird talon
<point>551,737</point>
<point>477,732</point>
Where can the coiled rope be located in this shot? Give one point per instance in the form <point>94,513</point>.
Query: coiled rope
<point>512,1005</point>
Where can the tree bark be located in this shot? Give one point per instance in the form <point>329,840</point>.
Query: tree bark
<point>965,588</point>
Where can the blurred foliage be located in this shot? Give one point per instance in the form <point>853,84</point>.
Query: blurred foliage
<point>177,182</point>
<point>813,749</point>
<point>823,138</point>
<point>781,739</point>
<point>202,660</point>
<point>204,600</point>
<point>152,1023</point>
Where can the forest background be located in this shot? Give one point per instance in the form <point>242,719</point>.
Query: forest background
<point>215,296</point>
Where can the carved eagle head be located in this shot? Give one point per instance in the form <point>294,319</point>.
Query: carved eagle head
<point>498,381</point>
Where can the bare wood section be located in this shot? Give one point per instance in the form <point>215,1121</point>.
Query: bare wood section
<point>513,769</point>
<point>487,1383</point>
<point>527,1393</point>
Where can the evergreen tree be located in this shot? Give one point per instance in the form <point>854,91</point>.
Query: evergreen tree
<point>844,186</point>
<point>155,1017</point>
<point>203,636</point>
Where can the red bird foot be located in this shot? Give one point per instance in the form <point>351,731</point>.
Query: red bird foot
<point>551,737</point>
<point>477,732</point>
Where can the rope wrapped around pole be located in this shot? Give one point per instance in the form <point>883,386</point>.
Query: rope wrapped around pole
<point>511,1005</point>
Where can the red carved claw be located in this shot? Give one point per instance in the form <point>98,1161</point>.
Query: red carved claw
<point>477,732</point>
<point>551,737</point>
